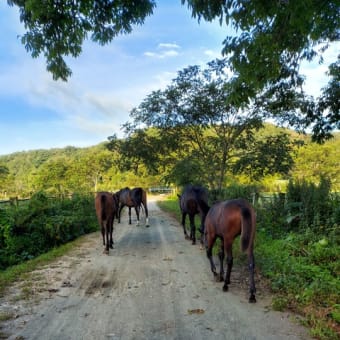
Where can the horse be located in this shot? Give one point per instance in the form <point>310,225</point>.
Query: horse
<point>136,198</point>
<point>106,210</point>
<point>226,220</point>
<point>193,201</point>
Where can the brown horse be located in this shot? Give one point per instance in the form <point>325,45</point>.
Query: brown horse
<point>136,198</point>
<point>226,220</point>
<point>106,210</point>
<point>193,201</point>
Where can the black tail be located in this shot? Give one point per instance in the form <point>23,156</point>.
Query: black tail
<point>137,196</point>
<point>102,203</point>
<point>247,228</point>
<point>204,207</point>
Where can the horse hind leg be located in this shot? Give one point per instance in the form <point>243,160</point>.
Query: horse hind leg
<point>210,244</point>
<point>184,215</point>
<point>111,233</point>
<point>229,250</point>
<point>251,267</point>
<point>107,232</point>
<point>103,232</point>
<point>137,209</point>
<point>129,215</point>
<point>192,229</point>
<point>146,216</point>
<point>221,257</point>
<point>120,211</point>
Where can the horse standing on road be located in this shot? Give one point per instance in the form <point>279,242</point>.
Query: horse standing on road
<point>226,220</point>
<point>106,210</point>
<point>136,198</point>
<point>193,201</point>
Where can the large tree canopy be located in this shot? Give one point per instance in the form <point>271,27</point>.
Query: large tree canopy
<point>200,131</point>
<point>58,28</point>
<point>272,39</point>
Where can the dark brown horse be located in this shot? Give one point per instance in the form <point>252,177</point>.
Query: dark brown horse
<point>193,201</point>
<point>106,210</point>
<point>136,198</point>
<point>226,220</point>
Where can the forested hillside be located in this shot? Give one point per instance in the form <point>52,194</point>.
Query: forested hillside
<point>70,169</point>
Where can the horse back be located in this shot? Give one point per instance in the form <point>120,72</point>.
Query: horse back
<point>231,218</point>
<point>105,206</point>
<point>193,198</point>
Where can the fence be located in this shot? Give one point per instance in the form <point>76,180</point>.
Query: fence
<point>161,190</point>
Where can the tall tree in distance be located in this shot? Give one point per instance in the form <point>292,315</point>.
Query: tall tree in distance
<point>198,121</point>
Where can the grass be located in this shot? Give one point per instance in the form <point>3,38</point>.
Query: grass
<point>12,274</point>
<point>303,270</point>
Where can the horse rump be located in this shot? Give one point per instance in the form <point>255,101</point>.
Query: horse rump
<point>106,209</point>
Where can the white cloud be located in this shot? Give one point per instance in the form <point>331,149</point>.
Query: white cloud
<point>164,50</point>
<point>162,54</point>
<point>168,45</point>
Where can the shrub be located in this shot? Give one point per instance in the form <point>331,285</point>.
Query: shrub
<point>42,224</point>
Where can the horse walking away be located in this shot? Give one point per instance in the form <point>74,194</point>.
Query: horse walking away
<point>226,220</point>
<point>106,210</point>
<point>193,201</point>
<point>133,198</point>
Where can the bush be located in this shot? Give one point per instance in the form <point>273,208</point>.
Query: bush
<point>43,223</point>
<point>309,205</point>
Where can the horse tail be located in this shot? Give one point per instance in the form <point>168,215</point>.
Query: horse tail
<point>203,205</point>
<point>248,227</point>
<point>116,204</point>
<point>144,201</point>
<point>103,207</point>
<point>138,196</point>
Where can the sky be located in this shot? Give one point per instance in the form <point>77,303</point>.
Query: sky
<point>37,112</point>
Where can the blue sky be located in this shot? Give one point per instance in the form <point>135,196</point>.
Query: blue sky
<point>37,112</point>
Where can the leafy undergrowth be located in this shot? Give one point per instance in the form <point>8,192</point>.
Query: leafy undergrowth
<point>304,273</point>
<point>13,273</point>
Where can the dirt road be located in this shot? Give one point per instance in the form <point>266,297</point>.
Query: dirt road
<point>153,285</point>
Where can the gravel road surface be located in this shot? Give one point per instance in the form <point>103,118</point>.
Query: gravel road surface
<point>153,285</point>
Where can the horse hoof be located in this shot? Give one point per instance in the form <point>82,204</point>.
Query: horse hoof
<point>106,251</point>
<point>217,278</point>
<point>187,237</point>
<point>225,288</point>
<point>193,243</point>
<point>147,226</point>
<point>252,299</point>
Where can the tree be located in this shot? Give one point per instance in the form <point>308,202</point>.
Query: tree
<point>269,156</point>
<point>197,121</point>
<point>272,39</point>
<point>4,172</point>
<point>58,28</point>
<point>315,161</point>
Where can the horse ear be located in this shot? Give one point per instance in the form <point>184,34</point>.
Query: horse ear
<point>179,196</point>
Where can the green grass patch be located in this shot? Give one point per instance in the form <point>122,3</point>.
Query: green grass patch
<point>15,273</point>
